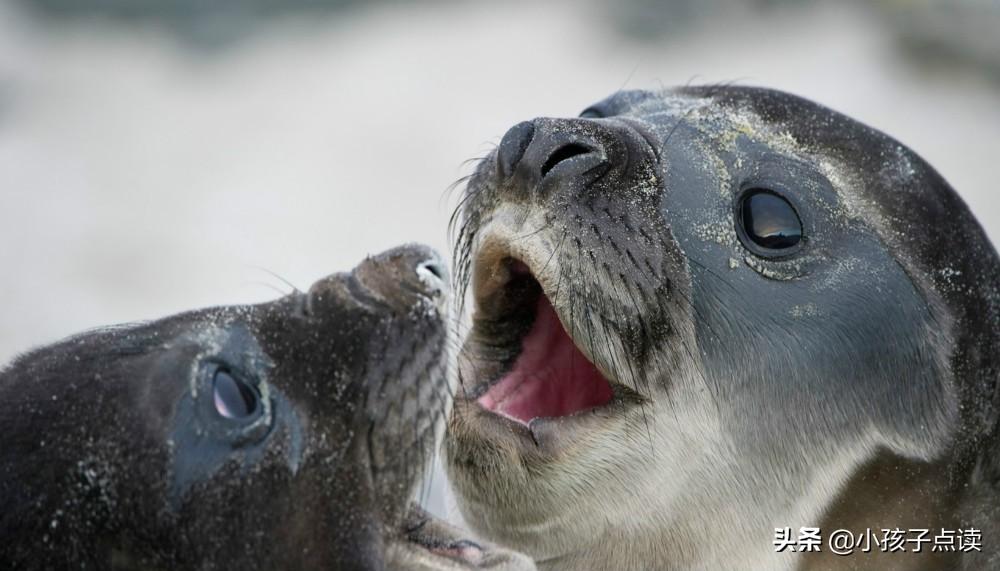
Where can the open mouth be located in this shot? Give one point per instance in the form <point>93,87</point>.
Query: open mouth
<point>527,366</point>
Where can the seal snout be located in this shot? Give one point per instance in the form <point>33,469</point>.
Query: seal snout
<point>541,156</point>
<point>400,278</point>
<point>553,150</point>
<point>536,156</point>
<point>404,269</point>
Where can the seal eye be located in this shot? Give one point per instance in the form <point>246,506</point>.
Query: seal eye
<point>233,397</point>
<point>769,220</point>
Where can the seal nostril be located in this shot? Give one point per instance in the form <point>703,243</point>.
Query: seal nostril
<point>512,147</point>
<point>434,275</point>
<point>434,268</point>
<point>563,153</point>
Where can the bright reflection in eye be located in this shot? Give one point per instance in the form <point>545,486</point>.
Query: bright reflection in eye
<point>769,220</point>
<point>233,397</point>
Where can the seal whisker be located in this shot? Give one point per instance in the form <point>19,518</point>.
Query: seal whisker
<point>277,276</point>
<point>447,193</point>
<point>269,286</point>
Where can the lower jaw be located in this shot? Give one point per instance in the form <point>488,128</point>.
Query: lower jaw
<point>506,487</point>
<point>475,429</point>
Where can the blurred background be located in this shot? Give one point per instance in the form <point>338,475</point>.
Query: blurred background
<point>161,155</point>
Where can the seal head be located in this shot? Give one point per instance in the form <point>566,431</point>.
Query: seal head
<point>705,313</point>
<point>285,435</point>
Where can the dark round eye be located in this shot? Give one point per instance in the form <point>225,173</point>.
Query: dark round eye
<point>233,397</point>
<point>769,220</point>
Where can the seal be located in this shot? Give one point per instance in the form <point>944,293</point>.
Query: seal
<point>284,435</point>
<point>705,315</point>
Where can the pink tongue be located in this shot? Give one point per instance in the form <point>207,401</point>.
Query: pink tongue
<point>550,378</point>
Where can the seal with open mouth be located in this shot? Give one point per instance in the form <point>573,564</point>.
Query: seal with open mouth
<point>285,435</point>
<point>707,313</point>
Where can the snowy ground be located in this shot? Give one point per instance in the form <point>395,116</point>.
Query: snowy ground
<point>139,178</point>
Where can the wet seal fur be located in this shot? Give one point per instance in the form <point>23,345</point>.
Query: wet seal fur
<point>850,382</point>
<point>116,453</point>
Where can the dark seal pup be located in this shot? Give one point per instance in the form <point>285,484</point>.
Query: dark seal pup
<point>285,435</point>
<point>707,313</point>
